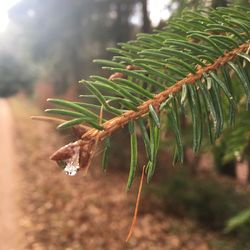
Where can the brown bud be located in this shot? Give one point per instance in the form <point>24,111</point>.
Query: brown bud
<point>133,67</point>
<point>64,153</point>
<point>117,75</point>
<point>157,107</point>
<point>85,154</point>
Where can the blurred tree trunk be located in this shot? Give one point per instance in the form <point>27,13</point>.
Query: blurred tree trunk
<point>122,28</point>
<point>146,26</point>
<point>242,171</point>
<point>218,3</point>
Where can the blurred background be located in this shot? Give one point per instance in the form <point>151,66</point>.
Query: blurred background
<point>46,47</point>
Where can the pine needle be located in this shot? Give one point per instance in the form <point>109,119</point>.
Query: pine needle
<point>96,143</point>
<point>47,119</point>
<point>54,120</point>
<point>131,230</point>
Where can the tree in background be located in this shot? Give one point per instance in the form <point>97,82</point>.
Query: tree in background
<point>62,37</point>
<point>14,75</point>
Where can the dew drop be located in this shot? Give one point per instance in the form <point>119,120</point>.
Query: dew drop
<point>71,169</point>
<point>70,166</point>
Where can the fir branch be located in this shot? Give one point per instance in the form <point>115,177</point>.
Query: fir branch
<point>118,122</point>
<point>114,124</point>
<point>186,66</point>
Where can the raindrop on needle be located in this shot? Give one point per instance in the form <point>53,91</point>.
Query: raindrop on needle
<point>71,169</point>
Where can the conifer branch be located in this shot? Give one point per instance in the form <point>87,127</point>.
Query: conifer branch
<point>187,66</point>
<point>114,124</point>
<point>118,122</point>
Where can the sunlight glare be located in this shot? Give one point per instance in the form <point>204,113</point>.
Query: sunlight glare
<point>158,11</point>
<point>5,5</point>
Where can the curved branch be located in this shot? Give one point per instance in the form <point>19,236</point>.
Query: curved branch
<point>114,124</point>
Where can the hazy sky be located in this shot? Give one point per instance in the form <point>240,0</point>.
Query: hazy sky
<point>5,5</point>
<point>156,9</point>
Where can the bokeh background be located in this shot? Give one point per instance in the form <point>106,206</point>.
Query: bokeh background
<point>46,47</point>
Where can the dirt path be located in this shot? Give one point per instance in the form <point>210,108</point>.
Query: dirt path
<point>9,181</point>
<point>92,212</point>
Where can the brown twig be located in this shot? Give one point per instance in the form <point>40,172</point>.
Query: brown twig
<point>131,230</point>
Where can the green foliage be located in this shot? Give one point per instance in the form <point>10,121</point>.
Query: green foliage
<point>133,160</point>
<point>208,201</point>
<point>105,154</point>
<point>240,220</point>
<point>235,141</point>
<point>213,204</point>
<point>181,71</point>
<point>14,75</point>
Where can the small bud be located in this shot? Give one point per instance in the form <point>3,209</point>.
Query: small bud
<point>132,67</point>
<point>64,153</point>
<point>85,154</point>
<point>117,75</point>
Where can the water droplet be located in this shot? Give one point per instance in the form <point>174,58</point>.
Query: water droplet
<point>71,166</point>
<point>71,169</point>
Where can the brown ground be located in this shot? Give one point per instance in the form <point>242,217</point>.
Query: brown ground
<point>62,212</point>
<point>9,183</point>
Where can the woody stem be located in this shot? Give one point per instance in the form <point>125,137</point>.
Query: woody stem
<point>114,124</point>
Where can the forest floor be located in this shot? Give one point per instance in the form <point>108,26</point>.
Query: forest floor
<point>10,233</point>
<point>78,213</point>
